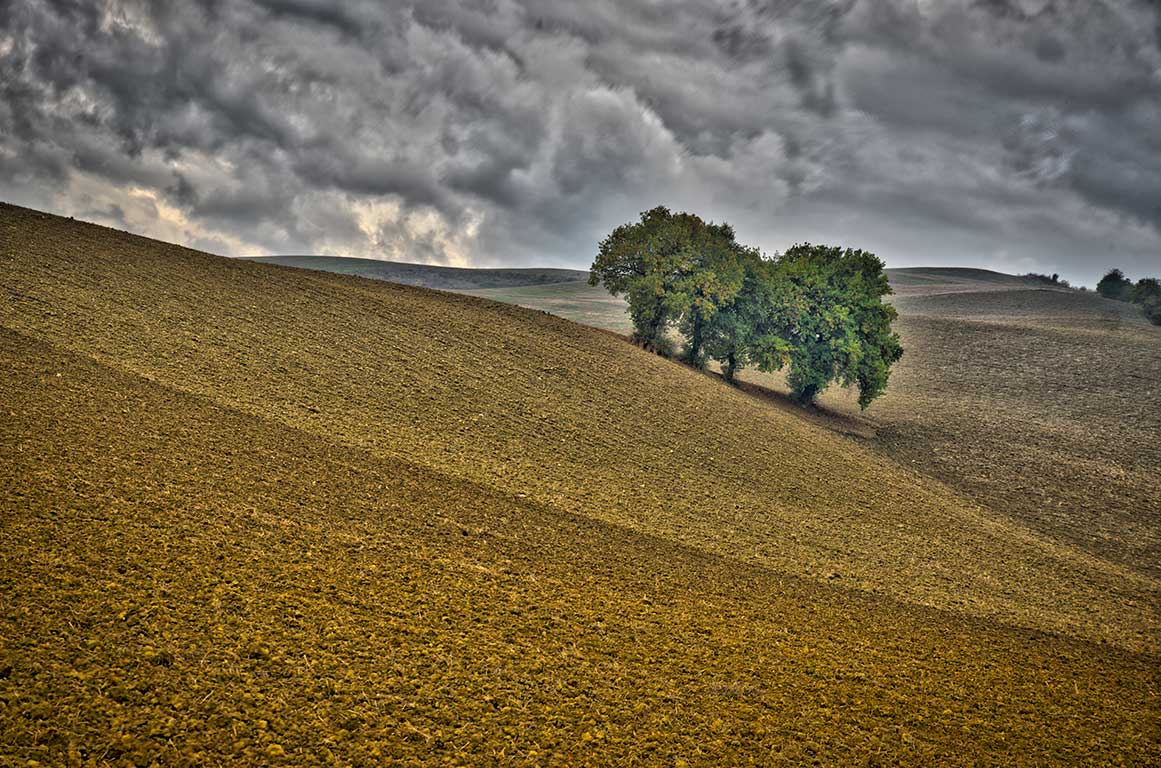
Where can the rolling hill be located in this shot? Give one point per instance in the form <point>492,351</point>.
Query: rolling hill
<point>427,275</point>
<point>925,280</point>
<point>1037,402</point>
<point>1041,405</point>
<point>256,515</point>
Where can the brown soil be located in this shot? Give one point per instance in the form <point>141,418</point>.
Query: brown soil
<point>257,514</point>
<point>1041,405</point>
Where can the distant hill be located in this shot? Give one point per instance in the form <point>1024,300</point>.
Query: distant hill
<point>908,281</point>
<point>1041,305</point>
<point>428,275</point>
<point>592,305</point>
<point>919,280</point>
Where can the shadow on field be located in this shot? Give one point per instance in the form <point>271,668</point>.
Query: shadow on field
<point>842,423</point>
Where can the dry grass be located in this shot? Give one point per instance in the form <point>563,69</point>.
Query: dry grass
<point>251,511</point>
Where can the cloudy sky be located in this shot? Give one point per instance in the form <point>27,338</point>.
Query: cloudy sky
<point>1011,134</point>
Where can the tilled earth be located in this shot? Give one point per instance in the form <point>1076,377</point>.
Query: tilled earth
<point>1044,405</point>
<point>340,543</point>
<point>1041,404</point>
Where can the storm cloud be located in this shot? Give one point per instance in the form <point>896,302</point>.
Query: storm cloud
<point>1011,134</point>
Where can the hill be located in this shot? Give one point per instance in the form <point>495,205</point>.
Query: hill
<point>1037,402</point>
<point>911,280</point>
<point>578,301</point>
<point>1041,405</point>
<point>256,514</point>
<point>427,275</point>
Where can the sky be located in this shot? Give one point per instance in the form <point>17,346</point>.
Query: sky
<point>1017,135</point>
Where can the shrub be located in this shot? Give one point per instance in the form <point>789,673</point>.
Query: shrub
<point>1114,285</point>
<point>1053,279</point>
<point>1147,293</point>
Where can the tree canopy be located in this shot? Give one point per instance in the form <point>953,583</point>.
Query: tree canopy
<point>1114,285</point>
<point>734,333</point>
<point>832,322</point>
<point>1146,292</point>
<point>674,269</point>
<point>816,310</point>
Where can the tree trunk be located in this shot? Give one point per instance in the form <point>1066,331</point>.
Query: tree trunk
<point>807,394</point>
<point>655,332</point>
<point>731,367</point>
<point>695,342</point>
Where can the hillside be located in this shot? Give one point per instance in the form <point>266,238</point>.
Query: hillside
<point>923,280</point>
<point>427,275</point>
<point>1039,403</point>
<point>255,513</point>
<point>578,301</point>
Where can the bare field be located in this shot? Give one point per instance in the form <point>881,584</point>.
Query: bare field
<point>188,584</point>
<point>576,301</point>
<point>1022,306</point>
<point>1042,404</point>
<point>256,515</point>
<point>909,281</point>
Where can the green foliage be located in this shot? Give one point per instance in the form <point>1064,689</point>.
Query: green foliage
<point>732,334</point>
<point>674,269</point>
<point>817,310</point>
<point>709,279</point>
<point>633,261</point>
<point>1114,285</point>
<point>1147,293</point>
<point>830,322</point>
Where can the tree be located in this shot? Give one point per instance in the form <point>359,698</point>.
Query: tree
<point>708,278</point>
<point>1147,293</point>
<point>829,322</point>
<point>634,261</point>
<point>817,310</point>
<point>732,334</point>
<point>673,268</point>
<point>1114,285</point>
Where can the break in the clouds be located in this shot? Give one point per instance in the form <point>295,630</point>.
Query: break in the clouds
<point>1012,134</point>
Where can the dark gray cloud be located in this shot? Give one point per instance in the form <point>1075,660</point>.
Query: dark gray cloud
<point>1013,134</point>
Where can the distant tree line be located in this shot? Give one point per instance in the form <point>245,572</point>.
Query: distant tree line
<point>1146,292</point>
<point>815,310</point>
